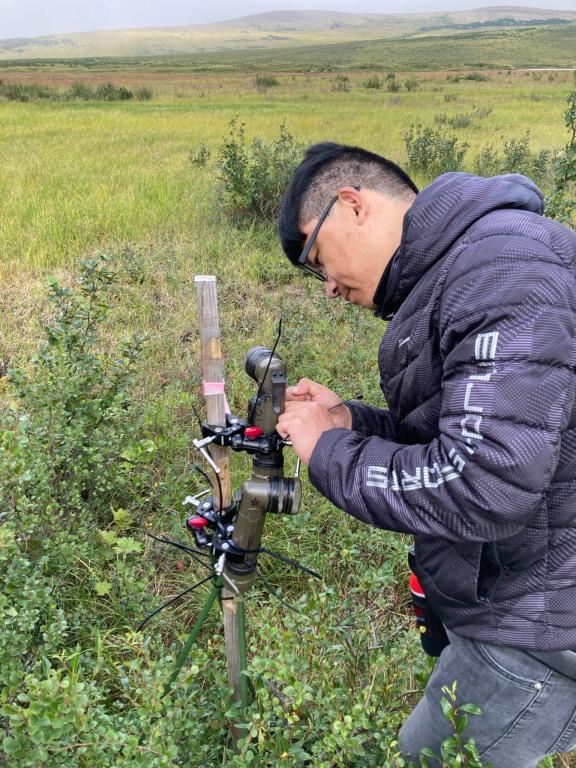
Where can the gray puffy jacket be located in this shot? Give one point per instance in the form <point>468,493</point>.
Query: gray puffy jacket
<point>476,455</point>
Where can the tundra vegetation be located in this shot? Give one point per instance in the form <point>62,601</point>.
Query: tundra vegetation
<point>108,208</point>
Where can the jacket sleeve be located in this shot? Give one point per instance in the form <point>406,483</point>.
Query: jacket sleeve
<point>370,420</point>
<point>508,390</point>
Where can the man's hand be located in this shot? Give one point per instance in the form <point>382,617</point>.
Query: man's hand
<point>310,391</point>
<point>311,409</point>
<point>303,423</point>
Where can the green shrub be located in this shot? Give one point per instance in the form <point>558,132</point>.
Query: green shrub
<point>80,91</point>
<point>455,751</point>
<point>111,92</point>
<point>411,84</point>
<point>77,688</point>
<point>460,120</point>
<point>392,86</point>
<point>480,112</point>
<point>341,83</point>
<point>253,177</point>
<point>561,202</point>
<point>487,162</point>
<point>373,83</point>
<point>517,157</point>
<point>430,152</point>
<point>71,428</point>
<point>263,82</point>
<point>144,93</point>
<point>26,92</point>
<point>200,155</point>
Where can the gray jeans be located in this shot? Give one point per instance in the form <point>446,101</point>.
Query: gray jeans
<point>528,709</point>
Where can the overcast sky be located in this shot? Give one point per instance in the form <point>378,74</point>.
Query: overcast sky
<point>31,18</point>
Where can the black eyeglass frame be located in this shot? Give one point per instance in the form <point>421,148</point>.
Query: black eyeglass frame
<point>302,262</point>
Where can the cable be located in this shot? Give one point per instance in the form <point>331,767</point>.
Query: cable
<point>172,600</point>
<point>193,553</point>
<point>198,468</point>
<point>235,550</point>
<point>263,379</point>
<point>288,561</point>
<point>360,396</point>
<point>270,590</point>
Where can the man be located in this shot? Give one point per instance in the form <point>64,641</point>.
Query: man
<point>476,454</point>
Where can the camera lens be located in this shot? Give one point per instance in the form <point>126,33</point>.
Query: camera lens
<point>254,358</point>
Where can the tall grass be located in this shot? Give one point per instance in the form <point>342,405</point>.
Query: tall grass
<point>79,176</point>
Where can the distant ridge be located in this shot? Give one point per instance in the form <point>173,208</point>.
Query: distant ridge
<point>307,17</point>
<point>278,29</point>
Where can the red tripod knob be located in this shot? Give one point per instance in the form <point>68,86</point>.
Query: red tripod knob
<point>197,522</point>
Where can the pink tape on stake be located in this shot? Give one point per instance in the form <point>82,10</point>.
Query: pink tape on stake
<point>216,388</point>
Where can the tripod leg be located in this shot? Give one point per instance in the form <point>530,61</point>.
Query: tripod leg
<point>182,656</point>
<point>235,640</point>
<point>244,682</point>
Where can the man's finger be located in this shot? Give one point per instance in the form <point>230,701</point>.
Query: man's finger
<point>293,393</point>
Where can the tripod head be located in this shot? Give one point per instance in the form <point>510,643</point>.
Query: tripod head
<point>269,371</point>
<point>235,532</point>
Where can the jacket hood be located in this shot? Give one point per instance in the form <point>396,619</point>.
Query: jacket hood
<point>440,215</point>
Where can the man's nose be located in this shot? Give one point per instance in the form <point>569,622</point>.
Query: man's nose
<point>331,288</point>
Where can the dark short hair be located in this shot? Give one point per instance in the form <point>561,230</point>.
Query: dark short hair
<point>326,168</point>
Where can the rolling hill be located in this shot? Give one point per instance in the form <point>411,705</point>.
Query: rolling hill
<point>287,30</point>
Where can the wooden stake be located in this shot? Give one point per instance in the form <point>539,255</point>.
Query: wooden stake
<point>213,376</point>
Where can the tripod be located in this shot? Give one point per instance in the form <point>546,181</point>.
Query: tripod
<point>231,535</point>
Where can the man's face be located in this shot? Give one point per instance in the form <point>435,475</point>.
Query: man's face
<point>354,243</point>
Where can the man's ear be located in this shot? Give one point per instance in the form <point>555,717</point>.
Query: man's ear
<point>354,199</point>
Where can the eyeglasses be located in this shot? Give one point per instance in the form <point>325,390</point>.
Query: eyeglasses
<point>303,262</point>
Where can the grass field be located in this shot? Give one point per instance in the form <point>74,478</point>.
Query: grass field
<point>80,175</point>
<point>80,178</point>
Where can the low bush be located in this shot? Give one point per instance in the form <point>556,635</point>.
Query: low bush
<point>111,92</point>
<point>460,120</point>
<point>481,112</point>
<point>263,82</point>
<point>27,92</point>
<point>487,162</point>
<point>373,83</point>
<point>78,90</point>
<point>144,93</point>
<point>561,201</point>
<point>254,176</point>
<point>475,77</point>
<point>430,152</point>
<point>341,83</point>
<point>70,428</point>
<point>200,155</point>
<point>516,157</point>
